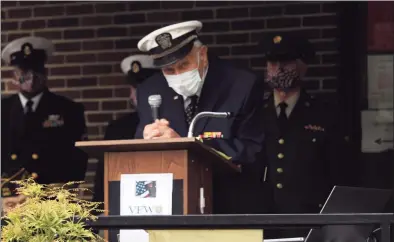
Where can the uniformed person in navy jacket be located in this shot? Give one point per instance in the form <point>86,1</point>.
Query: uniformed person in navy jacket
<point>38,127</point>
<point>137,68</point>
<point>191,81</point>
<point>305,146</point>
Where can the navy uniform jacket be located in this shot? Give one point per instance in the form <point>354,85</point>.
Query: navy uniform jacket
<point>302,166</point>
<point>226,89</point>
<point>48,148</point>
<point>122,128</point>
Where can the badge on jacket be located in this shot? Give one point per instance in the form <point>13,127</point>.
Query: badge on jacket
<point>314,128</point>
<point>54,120</point>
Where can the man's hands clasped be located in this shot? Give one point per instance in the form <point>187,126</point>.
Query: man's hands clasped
<point>160,129</point>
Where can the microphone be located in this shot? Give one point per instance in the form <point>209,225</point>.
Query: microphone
<point>206,115</point>
<point>155,102</point>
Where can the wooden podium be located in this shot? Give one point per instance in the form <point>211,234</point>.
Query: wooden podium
<point>189,160</point>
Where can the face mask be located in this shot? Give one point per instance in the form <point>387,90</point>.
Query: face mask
<point>186,84</point>
<point>29,82</point>
<point>284,79</point>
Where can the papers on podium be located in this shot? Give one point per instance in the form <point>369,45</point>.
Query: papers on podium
<point>144,194</point>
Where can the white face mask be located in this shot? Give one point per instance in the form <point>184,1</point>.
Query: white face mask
<point>186,84</point>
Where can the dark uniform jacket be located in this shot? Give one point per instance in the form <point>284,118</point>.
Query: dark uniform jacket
<point>122,128</point>
<point>225,89</point>
<point>45,144</point>
<point>304,163</point>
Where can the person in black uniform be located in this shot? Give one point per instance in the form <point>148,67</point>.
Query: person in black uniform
<point>304,146</point>
<point>191,81</point>
<point>38,128</point>
<point>137,68</point>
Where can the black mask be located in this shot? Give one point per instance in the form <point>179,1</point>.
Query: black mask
<point>284,79</point>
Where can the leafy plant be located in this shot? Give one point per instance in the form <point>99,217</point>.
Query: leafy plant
<point>51,214</point>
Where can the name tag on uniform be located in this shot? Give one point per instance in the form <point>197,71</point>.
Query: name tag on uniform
<point>54,120</point>
<point>314,128</point>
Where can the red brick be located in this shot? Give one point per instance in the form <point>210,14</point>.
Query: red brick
<point>56,59</point>
<point>92,130</point>
<point>112,56</point>
<point>177,4</point>
<point>97,93</point>
<point>220,51</point>
<point>330,58</point>
<point>112,80</point>
<point>49,11</point>
<point>330,20</point>
<point>212,3</point>
<point>69,46</point>
<point>196,14</point>
<point>79,9</point>
<point>216,27</point>
<point>207,39</point>
<point>122,92</point>
<point>232,38</point>
<point>10,86</point>
<point>232,13</point>
<point>52,35</point>
<point>4,37</point>
<point>96,20</point>
<point>163,16</point>
<point>302,8</point>
<point>111,7</point>
<point>330,84</point>
<point>114,105</point>
<point>283,22</point>
<point>56,83</point>
<point>69,94</point>
<point>65,70</point>
<point>245,50</point>
<point>15,36</point>
<point>33,24</point>
<point>99,118</point>
<point>130,18</point>
<point>248,24</point>
<point>327,45</point>
<point>96,69</point>
<point>7,74</point>
<point>5,26</point>
<point>266,11</point>
<point>19,12</point>
<point>82,82</point>
<point>90,106</point>
<point>63,22</point>
<point>112,32</point>
<point>79,34</point>
<point>98,45</point>
<point>127,43</point>
<point>330,7</point>
<point>81,58</point>
<point>32,3</point>
<point>143,30</point>
<point>330,33</point>
<point>2,86</point>
<point>5,4</point>
<point>322,71</point>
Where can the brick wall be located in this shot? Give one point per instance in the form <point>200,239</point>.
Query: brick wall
<point>91,38</point>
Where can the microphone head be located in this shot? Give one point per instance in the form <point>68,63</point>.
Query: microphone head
<point>154,100</point>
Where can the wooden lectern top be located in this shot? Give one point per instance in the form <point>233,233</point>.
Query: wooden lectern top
<point>98,148</point>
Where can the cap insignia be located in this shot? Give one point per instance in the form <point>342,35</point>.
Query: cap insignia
<point>135,67</point>
<point>27,50</point>
<point>164,40</point>
<point>277,39</point>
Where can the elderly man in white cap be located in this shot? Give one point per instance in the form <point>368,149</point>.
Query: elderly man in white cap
<point>38,127</point>
<point>191,81</point>
<point>137,68</point>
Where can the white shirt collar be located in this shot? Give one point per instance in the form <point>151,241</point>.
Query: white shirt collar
<point>291,102</point>
<point>36,100</point>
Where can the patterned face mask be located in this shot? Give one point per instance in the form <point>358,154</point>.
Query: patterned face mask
<point>283,79</point>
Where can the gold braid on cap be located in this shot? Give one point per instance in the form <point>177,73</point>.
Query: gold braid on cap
<point>170,51</point>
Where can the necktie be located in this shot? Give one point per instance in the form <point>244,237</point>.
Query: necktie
<point>282,116</point>
<point>29,107</point>
<point>191,109</point>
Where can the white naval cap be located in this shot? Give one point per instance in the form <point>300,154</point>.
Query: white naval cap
<point>28,51</point>
<point>137,68</point>
<point>136,62</point>
<point>171,43</point>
